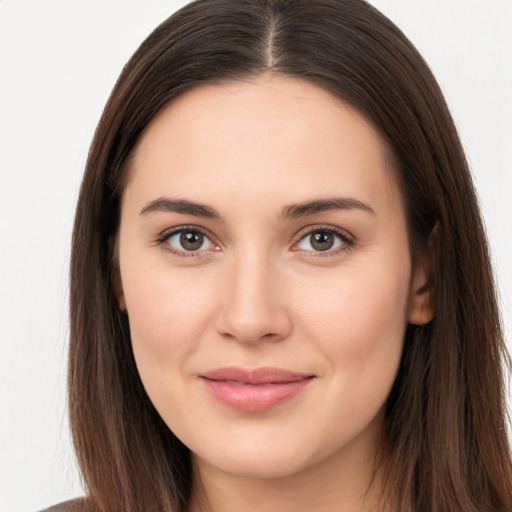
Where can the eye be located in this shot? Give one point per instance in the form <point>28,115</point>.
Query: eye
<point>323,240</point>
<point>189,240</point>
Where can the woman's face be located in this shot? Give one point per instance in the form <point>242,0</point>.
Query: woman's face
<point>265,271</point>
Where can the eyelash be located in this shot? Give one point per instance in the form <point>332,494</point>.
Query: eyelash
<point>347,240</point>
<point>164,238</point>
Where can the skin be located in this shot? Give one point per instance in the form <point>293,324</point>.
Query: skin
<point>258,293</point>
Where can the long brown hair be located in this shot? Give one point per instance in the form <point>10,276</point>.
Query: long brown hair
<point>445,417</point>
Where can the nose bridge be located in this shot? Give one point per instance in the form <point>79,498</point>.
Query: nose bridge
<point>253,305</point>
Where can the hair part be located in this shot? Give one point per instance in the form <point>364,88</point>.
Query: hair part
<point>445,417</point>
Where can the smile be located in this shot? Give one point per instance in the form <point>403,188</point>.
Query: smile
<point>254,390</point>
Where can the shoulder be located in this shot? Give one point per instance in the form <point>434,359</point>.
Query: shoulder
<point>76,505</point>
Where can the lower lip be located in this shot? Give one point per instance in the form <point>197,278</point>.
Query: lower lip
<point>254,397</point>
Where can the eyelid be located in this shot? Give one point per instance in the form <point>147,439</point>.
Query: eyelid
<point>168,233</point>
<point>347,238</point>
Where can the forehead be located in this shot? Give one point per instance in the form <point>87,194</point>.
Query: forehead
<point>258,136</point>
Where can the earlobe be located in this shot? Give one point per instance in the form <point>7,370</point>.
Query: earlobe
<point>118,289</point>
<point>116,272</point>
<point>422,300</point>
<point>421,303</point>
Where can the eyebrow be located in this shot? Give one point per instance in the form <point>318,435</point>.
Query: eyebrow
<point>183,206</point>
<point>295,211</point>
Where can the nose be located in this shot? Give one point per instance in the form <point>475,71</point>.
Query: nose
<point>254,304</point>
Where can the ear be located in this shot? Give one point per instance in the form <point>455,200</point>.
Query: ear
<point>116,272</point>
<point>421,297</point>
<point>118,290</point>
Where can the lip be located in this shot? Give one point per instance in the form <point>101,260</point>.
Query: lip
<point>255,390</point>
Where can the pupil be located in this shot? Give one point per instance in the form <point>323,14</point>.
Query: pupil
<point>191,240</point>
<point>322,240</point>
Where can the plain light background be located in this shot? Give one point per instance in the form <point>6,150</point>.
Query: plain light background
<point>58,63</point>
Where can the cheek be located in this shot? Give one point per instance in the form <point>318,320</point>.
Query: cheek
<point>359,329</point>
<point>359,326</point>
<point>168,313</point>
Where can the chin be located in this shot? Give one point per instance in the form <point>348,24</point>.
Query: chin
<point>277,453</point>
<point>258,464</point>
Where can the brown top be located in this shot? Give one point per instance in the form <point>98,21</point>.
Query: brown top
<point>66,506</point>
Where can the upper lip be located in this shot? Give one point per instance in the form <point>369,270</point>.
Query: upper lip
<point>263,375</point>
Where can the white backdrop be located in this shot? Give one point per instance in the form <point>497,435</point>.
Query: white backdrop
<point>58,63</point>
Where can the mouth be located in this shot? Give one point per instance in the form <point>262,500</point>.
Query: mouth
<point>254,390</point>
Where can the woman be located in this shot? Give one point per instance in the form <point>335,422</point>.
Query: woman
<point>281,294</point>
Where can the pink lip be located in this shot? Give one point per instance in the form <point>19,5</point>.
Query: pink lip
<point>254,390</point>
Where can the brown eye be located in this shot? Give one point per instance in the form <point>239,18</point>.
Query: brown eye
<point>188,240</point>
<point>322,240</point>
<point>191,240</point>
